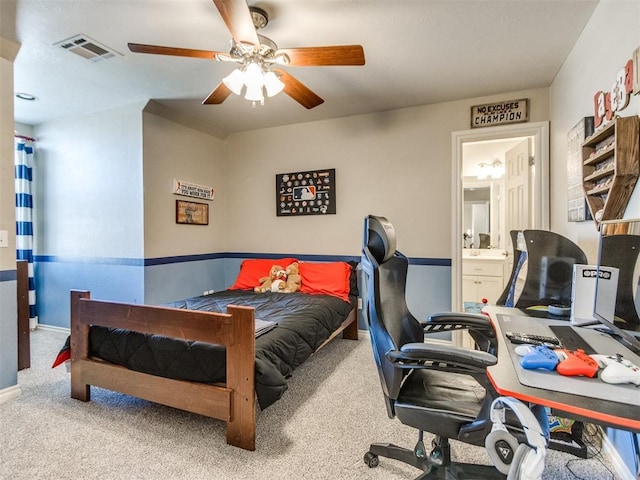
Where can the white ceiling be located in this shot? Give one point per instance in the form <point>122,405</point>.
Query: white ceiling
<point>474,153</point>
<point>417,53</point>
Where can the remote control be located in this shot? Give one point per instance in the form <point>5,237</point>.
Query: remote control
<point>551,342</point>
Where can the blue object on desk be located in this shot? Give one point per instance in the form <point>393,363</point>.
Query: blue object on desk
<point>541,357</point>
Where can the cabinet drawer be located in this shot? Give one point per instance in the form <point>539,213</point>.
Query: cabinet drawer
<point>491,269</point>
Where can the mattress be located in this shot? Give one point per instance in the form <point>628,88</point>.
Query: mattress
<point>303,322</point>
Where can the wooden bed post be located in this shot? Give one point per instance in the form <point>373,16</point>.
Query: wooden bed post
<point>351,331</point>
<point>241,428</point>
<point>24,347</point>
<point>79,347</point>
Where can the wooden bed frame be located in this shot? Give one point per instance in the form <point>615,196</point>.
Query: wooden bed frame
<point>233,402</point>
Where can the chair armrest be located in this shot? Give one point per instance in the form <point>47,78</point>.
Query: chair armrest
<point>463,320</point>
<point>478,325</point>
<point>415,355</point>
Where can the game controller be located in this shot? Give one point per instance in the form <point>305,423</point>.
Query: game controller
<point>617,370</point>
<point>541,357</point>
<point>577,363</point>
<point>604,360</point>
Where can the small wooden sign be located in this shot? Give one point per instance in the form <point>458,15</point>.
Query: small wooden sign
<point>180,187</point>
<point>501,113</point>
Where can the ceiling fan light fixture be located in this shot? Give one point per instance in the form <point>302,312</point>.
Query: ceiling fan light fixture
<point>253,76</point>
<point>272,84</point>
<point>495,170</point>
<point>254,93</point>
<point>234,81</point>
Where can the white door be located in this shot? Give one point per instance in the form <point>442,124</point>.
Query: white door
<point>518,203</point>
<point>518,208</point>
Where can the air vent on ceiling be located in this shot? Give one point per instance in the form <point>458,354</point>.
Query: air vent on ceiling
<point>87,48</point>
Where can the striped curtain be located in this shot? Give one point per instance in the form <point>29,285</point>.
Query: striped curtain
<point>24,225</point>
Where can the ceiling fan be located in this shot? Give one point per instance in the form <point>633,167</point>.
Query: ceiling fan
<point>258,58</point>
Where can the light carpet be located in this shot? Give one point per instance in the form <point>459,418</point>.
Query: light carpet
<point>320,429</point>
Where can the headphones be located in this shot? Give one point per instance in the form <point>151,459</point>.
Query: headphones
<point>523,461</point>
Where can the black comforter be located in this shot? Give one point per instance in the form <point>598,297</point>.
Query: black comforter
<point>303,323</point>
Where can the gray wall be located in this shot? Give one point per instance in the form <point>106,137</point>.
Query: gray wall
<point>8,314</point>
<point>396,163</point>
<point>89,230</point>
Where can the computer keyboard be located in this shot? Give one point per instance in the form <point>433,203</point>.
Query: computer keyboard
<point>570,339</point>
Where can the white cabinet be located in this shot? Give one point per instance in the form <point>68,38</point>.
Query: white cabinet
<point>482,278</point>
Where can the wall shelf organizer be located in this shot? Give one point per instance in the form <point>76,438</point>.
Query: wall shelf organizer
<point>610,167</point>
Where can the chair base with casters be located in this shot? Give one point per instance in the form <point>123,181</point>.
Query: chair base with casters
<point>436,465</point>
<point>458,420</point>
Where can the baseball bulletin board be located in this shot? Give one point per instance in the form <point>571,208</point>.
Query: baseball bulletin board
<point>306,193</point>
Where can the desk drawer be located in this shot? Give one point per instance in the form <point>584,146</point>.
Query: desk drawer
<point>490,269</point>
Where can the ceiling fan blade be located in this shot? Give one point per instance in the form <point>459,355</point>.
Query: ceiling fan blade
<point>322,56</point>
<point>299,92</point>
<point>237,18</point>
<point>218,96</point>
<point>178,52</point>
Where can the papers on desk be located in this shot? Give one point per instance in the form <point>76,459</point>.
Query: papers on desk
<point>263,326</point>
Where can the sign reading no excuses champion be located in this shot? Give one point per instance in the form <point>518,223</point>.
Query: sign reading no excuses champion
<point>501,113</point>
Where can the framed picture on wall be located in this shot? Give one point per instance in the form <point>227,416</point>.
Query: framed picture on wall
<point>577,209</point>
<point>306,193</point>
<point>192,213</point>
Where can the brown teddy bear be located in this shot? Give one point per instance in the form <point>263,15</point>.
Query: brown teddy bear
<point>279,284</point>
<point>267,282</point>
<point>294,280</point>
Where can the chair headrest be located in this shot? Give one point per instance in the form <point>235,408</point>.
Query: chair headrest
<point>379,238</point>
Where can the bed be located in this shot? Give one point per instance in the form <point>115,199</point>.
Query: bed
<point>202,354</point>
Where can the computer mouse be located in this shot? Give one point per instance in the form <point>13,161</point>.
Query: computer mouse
<point>522,350</point>
<point>559,310</point>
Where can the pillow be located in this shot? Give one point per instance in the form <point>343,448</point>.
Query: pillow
<point>252,270</point>
<point>326,278</point>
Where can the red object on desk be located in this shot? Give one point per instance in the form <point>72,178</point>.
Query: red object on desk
<point>577,363</point>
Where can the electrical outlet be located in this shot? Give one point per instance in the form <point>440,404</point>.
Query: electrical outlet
<point>4,238</point>
<point>359,303</point>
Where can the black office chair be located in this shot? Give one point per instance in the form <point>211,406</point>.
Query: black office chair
<point>549,259</point>
<point>441,389</point>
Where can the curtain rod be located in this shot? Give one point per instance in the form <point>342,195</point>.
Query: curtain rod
<point>15,135</point>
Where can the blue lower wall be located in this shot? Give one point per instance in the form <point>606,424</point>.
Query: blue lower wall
<point>623,443</point>
<point>120,280</point>
<point>159,280</point>
<point>165,282</point>
<point>8,329</point>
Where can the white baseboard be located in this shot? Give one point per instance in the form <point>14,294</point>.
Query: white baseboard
<point>42,326</point>
<point>10,393</point>
<point>620,468</point>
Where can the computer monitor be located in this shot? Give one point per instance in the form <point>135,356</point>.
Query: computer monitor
<point>619,246</point>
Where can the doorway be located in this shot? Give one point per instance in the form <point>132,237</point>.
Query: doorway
<point>537,195</point>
